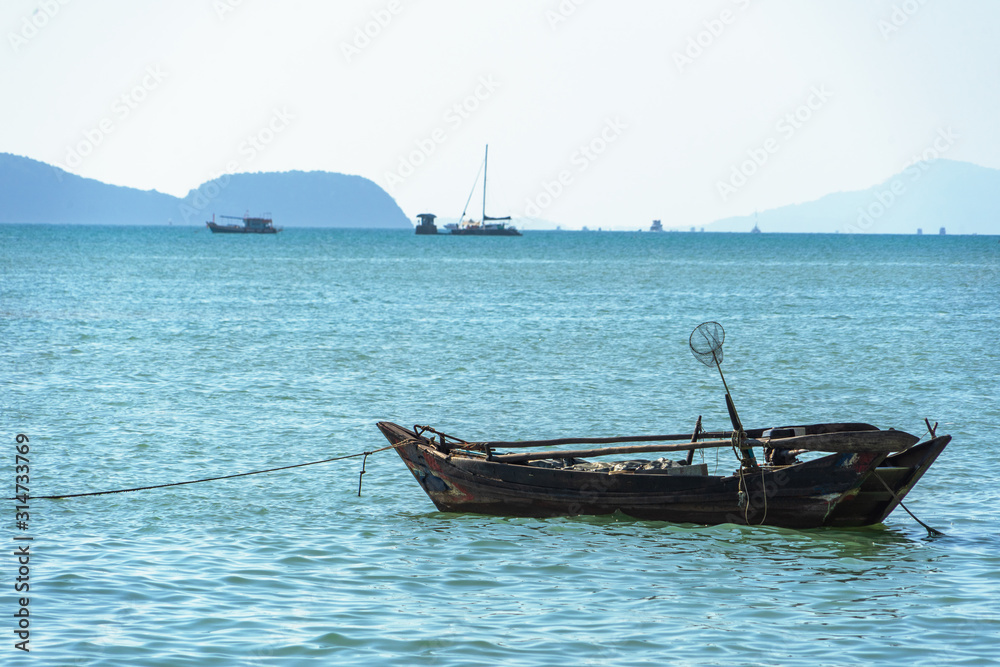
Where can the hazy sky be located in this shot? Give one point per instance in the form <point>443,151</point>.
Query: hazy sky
<point>598,113</point>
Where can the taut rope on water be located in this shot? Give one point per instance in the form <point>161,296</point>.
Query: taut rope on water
<point>931,532</point>
<point>212,479</point>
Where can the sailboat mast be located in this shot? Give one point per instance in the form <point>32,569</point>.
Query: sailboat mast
<point>486,160</point>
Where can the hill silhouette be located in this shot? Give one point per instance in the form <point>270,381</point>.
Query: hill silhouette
<point>959,196</point>
<point>36,192</point>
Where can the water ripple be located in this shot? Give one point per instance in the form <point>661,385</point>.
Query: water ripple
<point>144,356</point>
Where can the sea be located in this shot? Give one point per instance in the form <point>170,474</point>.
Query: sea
<point>143,356</point>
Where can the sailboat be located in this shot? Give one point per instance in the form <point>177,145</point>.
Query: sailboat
<point>487,226</point>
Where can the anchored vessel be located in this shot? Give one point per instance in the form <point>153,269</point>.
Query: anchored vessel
<point>487,226</point>
<point>261,225</point>
<point>862,479</point>
<point>426,224</point>
<point>857,487</point>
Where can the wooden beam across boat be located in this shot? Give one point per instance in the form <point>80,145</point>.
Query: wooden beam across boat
<point>607,451</point>
<point>881,442</point>
<point>555,442</point>
<point>751,433</point>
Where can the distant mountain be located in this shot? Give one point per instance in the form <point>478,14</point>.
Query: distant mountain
<point>297,199</point>
<point>961,197</point>
<point>32,191</point>
<point>35,192</point>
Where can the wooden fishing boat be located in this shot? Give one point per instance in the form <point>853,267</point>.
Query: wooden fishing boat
<point>860,483</point>
<point>863,476</point>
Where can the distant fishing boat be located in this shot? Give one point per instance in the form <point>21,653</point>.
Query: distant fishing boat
<point>657,226</point>
<point>487,226</point>
<point>251,225</point>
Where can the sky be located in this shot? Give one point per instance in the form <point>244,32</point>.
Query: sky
<point>597,113</point>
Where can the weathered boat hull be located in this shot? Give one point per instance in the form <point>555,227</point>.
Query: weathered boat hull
<point>882,491</point>
<point>835,490</point>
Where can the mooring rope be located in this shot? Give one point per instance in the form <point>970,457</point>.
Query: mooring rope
<point>931,532</point>
<point>212,479</point>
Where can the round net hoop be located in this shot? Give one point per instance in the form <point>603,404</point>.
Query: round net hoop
<point>706,343</point>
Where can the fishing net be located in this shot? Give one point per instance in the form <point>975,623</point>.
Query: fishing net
<point>706,343</point>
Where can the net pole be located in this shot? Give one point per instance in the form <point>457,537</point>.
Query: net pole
<point>719,366</point>
<point>746,453</point>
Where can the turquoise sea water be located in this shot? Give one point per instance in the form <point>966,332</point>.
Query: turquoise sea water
<point>139,356</point>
